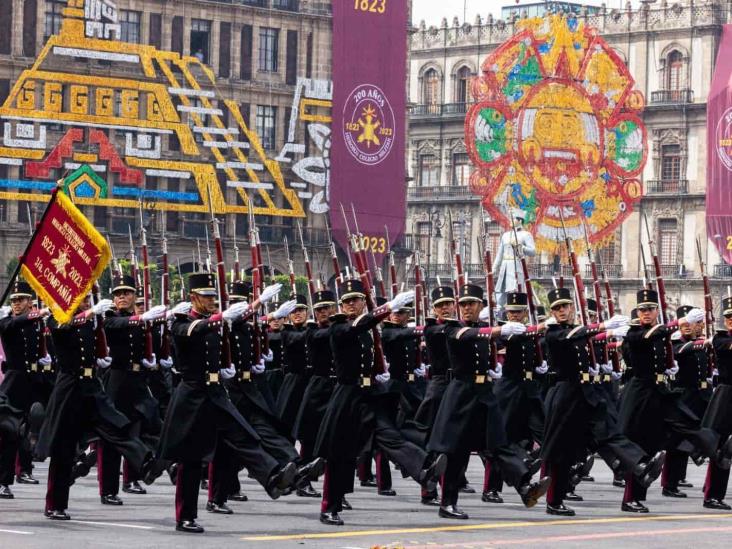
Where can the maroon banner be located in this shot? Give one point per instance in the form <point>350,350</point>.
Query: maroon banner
<point>719,150</point>
<point>368,129</point>
<point>64,258</point>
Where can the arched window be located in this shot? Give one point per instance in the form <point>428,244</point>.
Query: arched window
<point>431,90</point>
<point>674,71</point>
<point>462,89</point>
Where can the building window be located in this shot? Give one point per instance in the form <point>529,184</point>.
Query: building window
<point>265,124</point>
<point>429,170</point>
<point>675,71</point>
<point>268,49</point>
<point>493,237</point>
<point>460,168</point>
<point>668,240</point>
<point>462,90</point>
<point>431,90</point>
<point>670,167</point>
<point>200,39</point>
<point>423,238</point>
<point>130,25</point>
<point>54,17</point>
<point>6,27</point>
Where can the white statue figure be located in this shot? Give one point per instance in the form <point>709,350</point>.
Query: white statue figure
<point>507,269</point>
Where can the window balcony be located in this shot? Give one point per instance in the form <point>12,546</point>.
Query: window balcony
<point>445,193</point>
<point>722,270</point>
<point>444,109</point>
<point>612,271</point>
<point>673,271</point>
<point>286,5</point>
<point>667,186</point>
<point>672,97</point>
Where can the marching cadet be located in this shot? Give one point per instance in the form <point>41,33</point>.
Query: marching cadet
<point>469,417</point>
<point>351,417</point>
<point>575,409</point>
<point>21,330</point>
<point>202,423</point>
<point>321,381</point>
<point>690,353</point>
<point>519,391</point>
<point>79,405</point>
<point>126,385</point>
<point>274,375</point>
<point>650,413</point>
<point>718,415</point>
<point>295,362</point>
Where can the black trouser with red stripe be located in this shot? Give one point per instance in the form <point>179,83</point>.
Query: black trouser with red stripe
<point>337,482</point>
<point>674,469</point>
<point>560,484</point>
<point>715,485</point>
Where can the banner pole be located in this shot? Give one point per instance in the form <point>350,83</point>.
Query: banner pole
<point>30,243</point>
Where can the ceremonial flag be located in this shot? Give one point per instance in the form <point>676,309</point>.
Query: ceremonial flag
<point>64,257</point>
<point>368,132</point>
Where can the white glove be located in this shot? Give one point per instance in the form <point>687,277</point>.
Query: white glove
<point>269,357</point>
<point>695,315</point>
<point>284,310</point>
<point>227,373</point>
<point>383,378</point>
<point>512,328</point>
<point>270,292</point>
<point>497,373</point>
<point>616,376</point>
<point>673,371</point>
<point>421,371</point>
<point>616,322</point>
<point>594,371</point>
<point>102,306</point>
<point>400,300</point>
<point>105,362</point>
<point>550,320</point>
<point>153,314</point>
<point>183,308</point>
<point>259,367</point>
<point>166,363</point>
<point>619,333</point>
<point>606,368</point>
<point>235,311</point>
<point>543,369</point>
<point>485,314</point>
<point>149,364</point>
<point>5,311</point>
<point>45,361</point>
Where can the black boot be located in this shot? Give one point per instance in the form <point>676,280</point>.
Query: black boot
<point>57,515</point>
<point>559,510</point>
<point>491,496</point>
<point>716,504</point>
<point>531,493</point>
<point>218,508</point>
<point>332,519</point>
<point>6,493</point>
<point>111,499</point>
<point>452,512</point>
<point>434,471</point>
<point>25,478</point>
<point>189,526</point>
<point>633,507</point>
<point>673,493</point>
<point>281,480</point>
<point>133,488</point>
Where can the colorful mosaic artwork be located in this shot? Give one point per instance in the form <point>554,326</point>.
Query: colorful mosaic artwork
<point>556,124</point>
<point>57,121</point>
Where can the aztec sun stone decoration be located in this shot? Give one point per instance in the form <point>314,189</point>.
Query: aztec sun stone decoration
<point>556,124</point>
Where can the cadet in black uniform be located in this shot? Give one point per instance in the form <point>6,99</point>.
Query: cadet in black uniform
<point>650,413</point>
<point>202,423</point>
<point>21,329</point>
<point>352,414</point>
<point>718,415</point>
<point>295,361</point>
<point>690,353</point>
<point>79,405</point>
<point>126,385</point>
<point>469,417</point>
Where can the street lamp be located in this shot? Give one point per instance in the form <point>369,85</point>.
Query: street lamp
<point>437,223</point>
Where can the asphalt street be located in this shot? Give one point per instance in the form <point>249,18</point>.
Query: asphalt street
<point>376,521</point>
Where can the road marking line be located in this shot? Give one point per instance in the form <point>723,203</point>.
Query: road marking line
<point>22,532</point>
<point>120,524</point>
<point>481,526</point>
<point>577,537</point>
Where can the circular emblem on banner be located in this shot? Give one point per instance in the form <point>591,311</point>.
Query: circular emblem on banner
<point>723,139</point>
<point>368,125</point>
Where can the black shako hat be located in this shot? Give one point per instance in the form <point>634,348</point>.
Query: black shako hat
<point>323,298</point>
<point>516,301</point>
<point>683,310</point>
<point>442,294</point>
<point>348,289</point>
<point>21,289</point>
<point>240,290</point>
<point>301,302</point>
<point>123,282</point>
<point>727,306</point>
<point>470,292</point>
<point>591,305</point>
<point>646,298</point>
<point>559,296</point>
<point>202,284</point>
<point>139,295</point>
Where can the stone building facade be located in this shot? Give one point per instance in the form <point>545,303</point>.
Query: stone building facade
<point>670,49</point>
<point>265,56</point>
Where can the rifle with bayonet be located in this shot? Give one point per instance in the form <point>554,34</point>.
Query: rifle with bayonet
<point>597,291</point>
<point>306,258</point>
<point>221,278</point>
<point>392,265</point>
<point>146,287</point>
<point>165,299</point>
<point>709,311</point>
